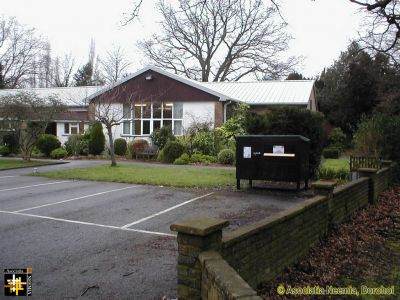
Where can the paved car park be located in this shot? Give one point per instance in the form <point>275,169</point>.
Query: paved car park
<point>108,240</point>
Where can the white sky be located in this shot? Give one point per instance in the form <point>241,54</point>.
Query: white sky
<point>321,28</point>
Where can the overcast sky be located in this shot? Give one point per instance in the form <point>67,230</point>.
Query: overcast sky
<point>321,28</point>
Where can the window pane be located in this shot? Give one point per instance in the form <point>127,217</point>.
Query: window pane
<point>178,110</point>
<point>138,127</point>
<point>167,110</point>
<point>156,125</point>
<point>167,123</point>
<point>157,110</point>
<point>74,130</point>
<point>126,111</point>
<point>137,115</point>
<point>146,127</point>
<point>133,128</point>
<point>126,128</point>
<point>81,127</point>
<point>177,127</point>
<point>66,128</point>
<point>146,111</point>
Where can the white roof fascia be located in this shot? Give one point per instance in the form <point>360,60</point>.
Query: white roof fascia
<point>189,82</point>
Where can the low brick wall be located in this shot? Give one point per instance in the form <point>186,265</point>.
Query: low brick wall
<point>260,252</point>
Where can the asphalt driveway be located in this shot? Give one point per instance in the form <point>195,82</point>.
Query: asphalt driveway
<point>108,240</point>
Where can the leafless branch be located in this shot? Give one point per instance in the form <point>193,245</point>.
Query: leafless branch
<point>221,40</point>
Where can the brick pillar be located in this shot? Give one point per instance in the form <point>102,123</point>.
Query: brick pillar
<point>195,236</point>
<point>324,188</point>
<point>370,174</point>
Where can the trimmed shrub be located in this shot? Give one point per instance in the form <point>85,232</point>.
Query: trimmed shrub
<point>83,141</point>
<point>97,139</point>
<point>47,143</point>
<point>226,157</point>
<point>120,147</point>
<point>202,158</point>
<point>59,153</point>
<point>171,151</point>
<point>184,159</point>
<point>161,136</point>
<point>137,146</point>
<point>331,152</point>
<point>4,151</point>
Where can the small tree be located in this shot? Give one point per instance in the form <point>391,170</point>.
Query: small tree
<point>28,116</point>
<point>110,114</point>
<point>97,139</point>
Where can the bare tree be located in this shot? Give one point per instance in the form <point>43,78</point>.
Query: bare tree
<point>109,112</point>
<point>115,65</point>
<point>19,48</point>
<point>28,115</point>
<point>63,68</point>
<point>382,26</point>
<point>137,4</point>
<point>220,40</point>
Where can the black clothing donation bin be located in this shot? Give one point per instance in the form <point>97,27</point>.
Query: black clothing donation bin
<point>272,157</point>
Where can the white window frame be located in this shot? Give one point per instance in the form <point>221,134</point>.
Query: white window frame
<point>70,126</point>
<point>131,119</point>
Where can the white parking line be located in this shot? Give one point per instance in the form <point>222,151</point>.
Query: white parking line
<point>35,185</point>
<point>74,199</point>
<point>7,176</point>
<point>165,211</point>
<point>87,223</point>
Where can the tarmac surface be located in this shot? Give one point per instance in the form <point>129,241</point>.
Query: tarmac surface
<point>108,240</point>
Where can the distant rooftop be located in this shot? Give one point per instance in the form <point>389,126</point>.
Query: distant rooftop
<point>295,92</point>
<point>70,96</point>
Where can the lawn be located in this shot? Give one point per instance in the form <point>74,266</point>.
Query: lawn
<point>165,176</point>
<point>16,163</point>
<point>336,164</point>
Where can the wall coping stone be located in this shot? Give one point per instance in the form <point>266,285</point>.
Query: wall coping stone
<point>324,185</point>
<point>244,232</point>
<point>200,226</point>
<point>368,170</point>
<point>348,185</point>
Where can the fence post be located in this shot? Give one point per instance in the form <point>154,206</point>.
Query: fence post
<point>195,236</point>
<point>370,173</point>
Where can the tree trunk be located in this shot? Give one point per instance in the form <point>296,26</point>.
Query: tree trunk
<point>111,142</point>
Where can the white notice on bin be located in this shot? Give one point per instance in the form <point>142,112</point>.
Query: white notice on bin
<point>278,149</point>
<point>246,152</point>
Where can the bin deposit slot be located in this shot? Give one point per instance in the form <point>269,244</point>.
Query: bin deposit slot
<point>280,154</point>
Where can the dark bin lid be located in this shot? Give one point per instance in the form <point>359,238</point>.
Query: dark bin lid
<point>273,137</point>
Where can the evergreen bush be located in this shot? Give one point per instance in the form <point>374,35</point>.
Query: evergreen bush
<point>120,147</point>
<point>97,139</point>
<point>47,143</point>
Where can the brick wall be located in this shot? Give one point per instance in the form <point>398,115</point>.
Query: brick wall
<point>261,251</point>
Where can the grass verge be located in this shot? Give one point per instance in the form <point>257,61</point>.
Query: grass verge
<point>336,164</point>
<point>165,176</point>
<point>6,164</point>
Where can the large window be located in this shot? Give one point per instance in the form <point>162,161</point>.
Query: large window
<point>144,118</point>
